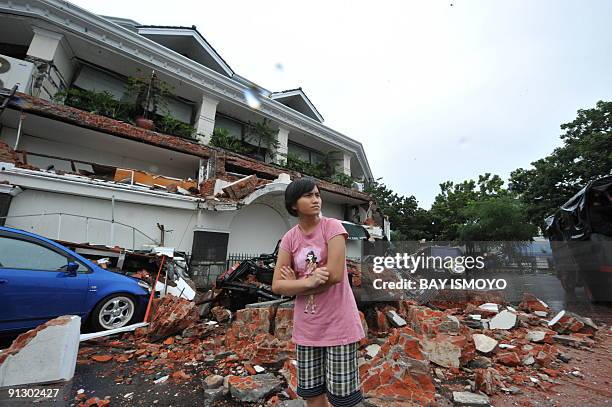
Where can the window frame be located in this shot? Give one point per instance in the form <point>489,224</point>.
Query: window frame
<point>310,151</point>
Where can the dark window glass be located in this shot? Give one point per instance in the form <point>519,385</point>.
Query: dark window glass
<point>20,254</point>
<point>209,246</point>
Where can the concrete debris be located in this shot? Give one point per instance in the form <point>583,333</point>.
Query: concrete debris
<point>221,314</point>
<point>566,322</point>
<point>536,336</point>
<point>531,303</point>
<point>172,315</point>
<point>489,306</point>
<point>109,332</point>
<point>250,358</point>
<point>484,343</point>
<point>444,350</point>
<point>253,388</point>
<point>161,379</point>
<point>573,340</point>
<point>395,319</point>
<point>462,398</point>
<point>504,320</point>
<point>241,188</point>
<point>45,354</point>
<point>213,381</point>
<point>399,373</point>
<point>372,350</point>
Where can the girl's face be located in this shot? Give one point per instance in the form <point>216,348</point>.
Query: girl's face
<point>309,204</point>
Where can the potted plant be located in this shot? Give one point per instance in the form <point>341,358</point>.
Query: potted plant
<point>149,93</point>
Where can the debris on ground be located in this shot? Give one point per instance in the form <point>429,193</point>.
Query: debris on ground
<point>413,354</point>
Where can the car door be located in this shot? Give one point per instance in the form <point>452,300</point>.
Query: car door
<point>33,284</point>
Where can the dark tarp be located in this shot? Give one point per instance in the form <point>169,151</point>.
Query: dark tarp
<point>355,231</point>
<point>587,212</point>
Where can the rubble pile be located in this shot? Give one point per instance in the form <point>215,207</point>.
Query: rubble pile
<point>461,351</point>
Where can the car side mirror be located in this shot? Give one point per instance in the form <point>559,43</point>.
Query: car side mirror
<point>71,268</point>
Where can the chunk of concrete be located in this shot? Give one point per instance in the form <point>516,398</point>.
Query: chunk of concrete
<point>213,381</point>
<point>535,336</point>
<point>372,350</point>
<point>489,306</point>
<point>503,320</point>
<point>483,343</point>
<point>45,354</point>
<point>253,388</point>
<point>442,352</point>
<point>395,319</point>
<point>464,398</point>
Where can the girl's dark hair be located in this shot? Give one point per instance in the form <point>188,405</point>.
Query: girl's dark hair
<point>295,190</point>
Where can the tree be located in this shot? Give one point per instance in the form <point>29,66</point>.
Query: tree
<point>500,218</point>
<point>448,209</point>
<point>408,221</point>
<point>586,154</point>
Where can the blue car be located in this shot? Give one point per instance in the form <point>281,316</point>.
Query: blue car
<point>41,279</point>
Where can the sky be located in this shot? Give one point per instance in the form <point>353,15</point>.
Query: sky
<point>435,90</point>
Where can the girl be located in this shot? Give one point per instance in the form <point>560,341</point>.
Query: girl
<point>311,265</point>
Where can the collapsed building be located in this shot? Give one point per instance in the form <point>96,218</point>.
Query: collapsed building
<point>76,174</point>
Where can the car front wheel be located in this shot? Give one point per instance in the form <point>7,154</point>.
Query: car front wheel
<point>113,312</point>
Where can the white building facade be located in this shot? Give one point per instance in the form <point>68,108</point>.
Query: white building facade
<point>77,175</point>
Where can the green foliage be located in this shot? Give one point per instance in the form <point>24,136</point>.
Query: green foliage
<point>169,125</point>
<point>221,138</point>
<point>325,169</point>
<point>499,218</point>
<point>341,178</point>
<point>101,103</point>
<point>586,154</point>
<point>409,222</point>
<point>447,210</point>
<point>264,136</point>
<point>294,162</point>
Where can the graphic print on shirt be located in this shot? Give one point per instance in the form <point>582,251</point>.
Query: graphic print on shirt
<point>307,259</point>
<point>309,268</point>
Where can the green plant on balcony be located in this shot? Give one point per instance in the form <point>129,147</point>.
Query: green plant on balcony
<point>150,97</point>
<point>341,178</point>
<point>294,162</point>
<point>264,137</point>
<point>169,125</point>
<point>325,169</point>
<point>221,138</point>
<point>101,103</point>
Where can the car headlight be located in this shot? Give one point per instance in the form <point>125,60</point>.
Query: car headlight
<point>145,285</point>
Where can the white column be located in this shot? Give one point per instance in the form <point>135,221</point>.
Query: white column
<point>206,119</point>
<point>283,140</point>
<point>53,56</point>
<point>344,163</point>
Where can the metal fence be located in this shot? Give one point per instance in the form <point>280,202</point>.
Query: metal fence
<point>233,258</point>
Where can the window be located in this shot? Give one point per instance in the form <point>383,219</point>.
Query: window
<point>21,254</point>
<point>234,127</point>
<point>305,153</point>
<point>209,246</point>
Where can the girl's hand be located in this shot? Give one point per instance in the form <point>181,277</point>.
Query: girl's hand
<point>318,277</point>
<point>287,273</point>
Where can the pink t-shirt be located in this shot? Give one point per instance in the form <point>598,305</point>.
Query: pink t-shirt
<point>336,320</point>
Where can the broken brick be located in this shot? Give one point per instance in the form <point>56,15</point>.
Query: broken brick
<point>172,315</point>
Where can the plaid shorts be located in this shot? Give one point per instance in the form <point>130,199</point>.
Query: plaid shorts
<point>331,369</point>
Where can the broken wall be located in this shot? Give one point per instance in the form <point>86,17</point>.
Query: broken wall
<point>87,145</point>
